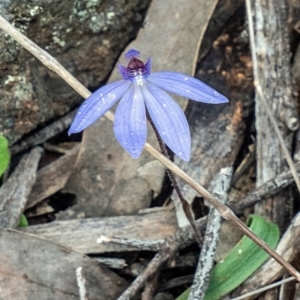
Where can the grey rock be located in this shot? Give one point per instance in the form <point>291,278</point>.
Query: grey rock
<point>85,36</point>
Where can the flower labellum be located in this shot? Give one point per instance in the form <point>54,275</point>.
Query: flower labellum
<point>139,91</point>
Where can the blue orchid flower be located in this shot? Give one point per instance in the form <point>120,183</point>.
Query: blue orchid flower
<point>142,91</point>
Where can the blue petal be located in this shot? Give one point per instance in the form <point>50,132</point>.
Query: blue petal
<point>98,104</point>
<point>130,122</point>
<point>186,86</point>
<point>132,53</point>
<point>169,120</point>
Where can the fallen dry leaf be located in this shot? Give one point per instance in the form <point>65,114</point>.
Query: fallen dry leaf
<point>34,268</point>
<point>53,177</point>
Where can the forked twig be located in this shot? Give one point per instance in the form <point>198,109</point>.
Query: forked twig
<point>225,211</point>
<point>152,268</point>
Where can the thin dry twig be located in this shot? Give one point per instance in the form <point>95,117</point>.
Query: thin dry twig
<point>178,261</point>
<point>44,134</point>
<point>263,99</point>
<point>206,260</point>
<point>265,288</point>
<point>150,245</point>
<point>225,211</point>
<point>150,287</point>
<point>186,280</point>
<point>113,263</point>
<point>268,189</point>
<point>81,284</point>
<point>244,165</point>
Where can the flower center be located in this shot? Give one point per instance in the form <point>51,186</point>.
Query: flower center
<point>137,71</point>
<point>135,64</point>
